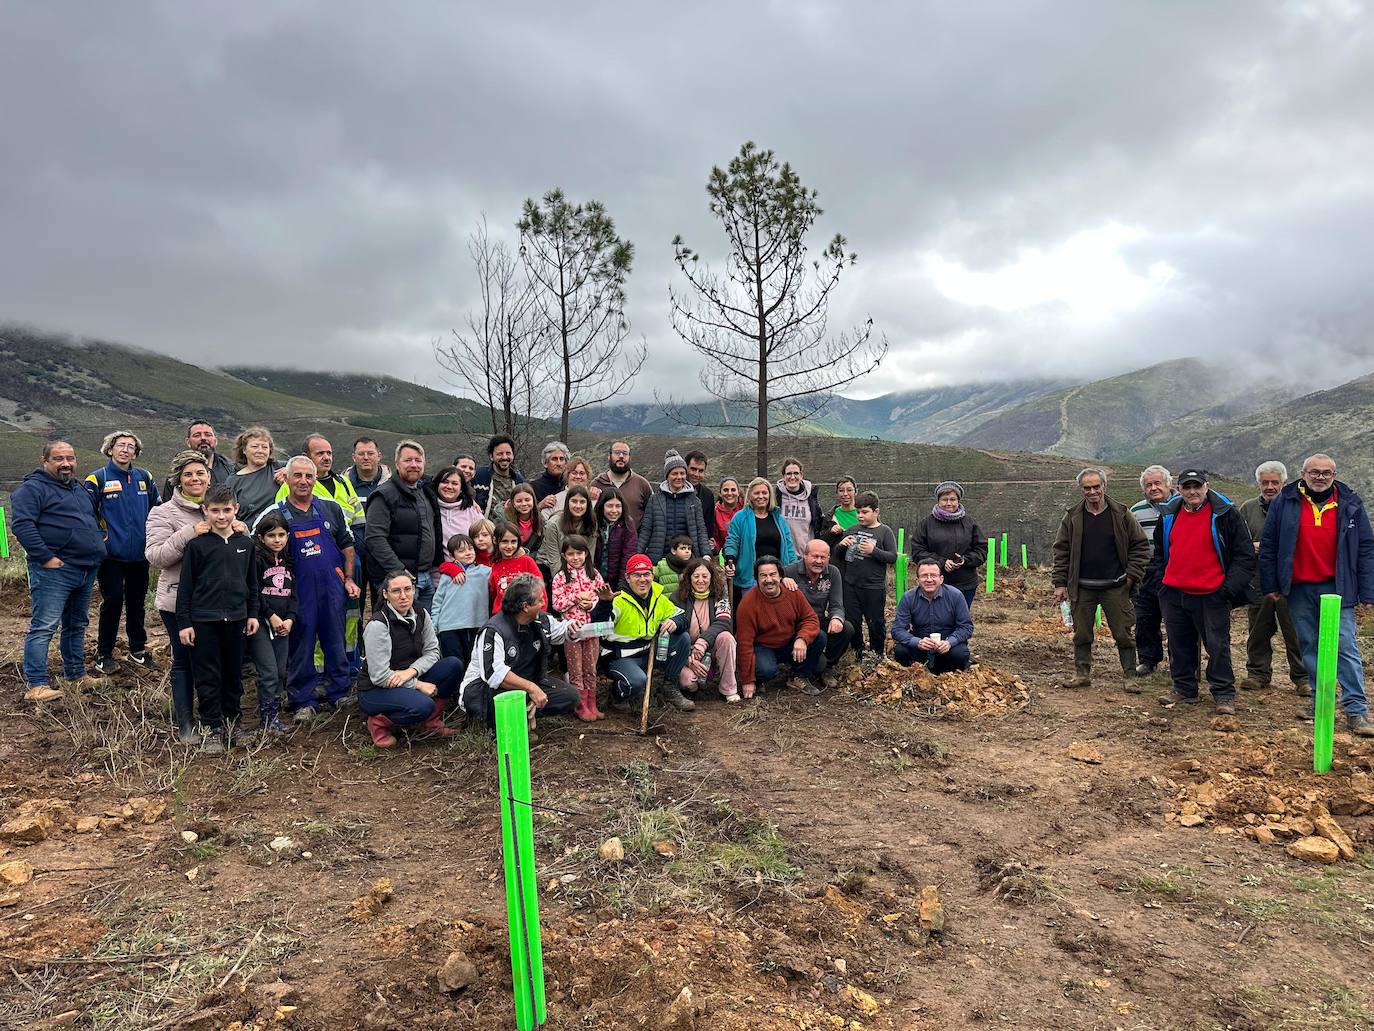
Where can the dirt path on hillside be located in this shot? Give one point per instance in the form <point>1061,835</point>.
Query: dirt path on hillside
<point>1064,418</point>
<point>776,858</point>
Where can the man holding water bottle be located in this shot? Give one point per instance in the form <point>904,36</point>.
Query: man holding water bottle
<point>932,625</point>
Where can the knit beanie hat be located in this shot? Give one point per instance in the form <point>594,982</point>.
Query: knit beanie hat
<point>672,460</point>
<point>946,487</point>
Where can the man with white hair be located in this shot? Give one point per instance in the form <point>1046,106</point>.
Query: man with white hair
<point>1158,485</point>
<point>1317,540</point>
<point>550,481</point>
<point>1267,615</point>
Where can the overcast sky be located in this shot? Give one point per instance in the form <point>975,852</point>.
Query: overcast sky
<point>1032,188</point>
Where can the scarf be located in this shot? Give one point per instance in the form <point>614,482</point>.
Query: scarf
<point>701,595</point>
<point>948,517</point>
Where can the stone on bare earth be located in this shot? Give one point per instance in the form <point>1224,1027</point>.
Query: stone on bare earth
<point>27,830</point>
<point>457,973</point>
<point>612,850</point>
<point>1314,850</point>
<point>931,912</point>
<point>16,872</point>
<point>1192,820</point>
<point>860,1000</point>
<point>682,1012</point>
<point>1264,835</point>
<point>281,844</point>
<point>190,837</point>
<point>1086,754</point>
<point>1329,829</point>
<point>87,824</point>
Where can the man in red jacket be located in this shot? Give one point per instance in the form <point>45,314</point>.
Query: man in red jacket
<point>1205,559</point>
<point>775,627</point>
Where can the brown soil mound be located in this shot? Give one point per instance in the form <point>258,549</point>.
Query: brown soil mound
<point>975,692</point>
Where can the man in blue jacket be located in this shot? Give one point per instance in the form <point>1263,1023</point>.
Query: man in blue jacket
<point>932,625</point>
<point>54,522</point>
<point>123,495</point>
<point>1316,541</point>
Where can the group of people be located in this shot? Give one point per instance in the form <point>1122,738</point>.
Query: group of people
<point>423,589</point>
<point>1184,557</point>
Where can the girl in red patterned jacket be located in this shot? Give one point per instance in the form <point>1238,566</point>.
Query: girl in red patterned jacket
<point>577,587</point>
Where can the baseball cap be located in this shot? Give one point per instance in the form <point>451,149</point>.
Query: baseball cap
<point>1192,476</point>
<point>640,563</point>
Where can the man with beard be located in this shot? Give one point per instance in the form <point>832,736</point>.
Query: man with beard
<point>1266,615</point>
<point>634,489</point>
<point>696,476</point>
<point>495,481</point>
<point>400,526</point>
<point>200,436</point>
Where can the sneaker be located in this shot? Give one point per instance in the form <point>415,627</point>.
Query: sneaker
<point>1177,698</point>
<point>107,665</point>
<point>42,693</point>
<point>213,744</point>
<point>85,682</point>
<point>732,699</point>
<point>803,684</point>
<point>144,660</point>
<point>304,714</point>
<point>1360,726</point>
<point>1224,706</point>
<point>273,727</point>
<point>1077,681</point>
<point>674,697</point>
<point>1145,669</point>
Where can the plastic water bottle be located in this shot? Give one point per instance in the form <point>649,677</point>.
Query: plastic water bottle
<point>1066,613</point>
<point>661,651</point>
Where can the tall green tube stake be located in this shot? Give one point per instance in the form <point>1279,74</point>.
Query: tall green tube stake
<point>1097,619</point>
<point>1002,553</point>
<point>1024,563</point>
<point>1328,642</point>
<point>900,573</point>
<point>517,848</point>
<point>992,562</point>
<point>4,535</point>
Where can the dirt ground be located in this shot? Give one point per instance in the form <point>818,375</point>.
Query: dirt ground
<point>872,858</point>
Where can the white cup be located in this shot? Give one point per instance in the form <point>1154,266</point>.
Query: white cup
<point>934,637</point>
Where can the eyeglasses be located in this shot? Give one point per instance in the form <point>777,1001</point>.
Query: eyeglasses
<point>400,590</point>
<point>1319,474</point>
<point>623,454</point>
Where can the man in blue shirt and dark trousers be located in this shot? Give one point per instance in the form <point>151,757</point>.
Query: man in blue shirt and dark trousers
<point>932,625</point>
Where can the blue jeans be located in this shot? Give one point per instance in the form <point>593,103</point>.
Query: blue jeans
<point>57,597</point>
<point>767,661</point>
<point>628,674</point>
<point>425,588</point>
<point>1304,605</point>
<point>407,705</point>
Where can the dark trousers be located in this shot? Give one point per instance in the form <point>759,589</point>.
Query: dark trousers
<point>478,699</point>
<point>407,705</point>
<point>835,644</point>
<point>1149,638</point>
<point>1191,619</point>
<point>1264,618</point>
<point>1120,617</point>
<point>956,658</point>
<point>269,659</point>
<point>457,644</point>
<point>864,605</point>
<point>217,668</point>
<point>182,686</point>
<point>768,661</point>
<point>123,590</point>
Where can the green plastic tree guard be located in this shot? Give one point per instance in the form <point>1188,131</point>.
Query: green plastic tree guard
<point>1024,564</point>
<point>1002,553</point>
<point>517,848</point>
<point>1328,642</point>
<point>992,562</point>
<point>4,535</point>
<point>900,574</point>
<point>1097,619</point>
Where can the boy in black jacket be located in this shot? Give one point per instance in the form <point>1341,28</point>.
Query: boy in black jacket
<point>217,607</point>
<point>866,551</point>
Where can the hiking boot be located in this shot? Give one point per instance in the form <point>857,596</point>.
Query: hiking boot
<point>106,665</point>
<point>1360,726</point>
<point>213,744</point>
<point>143,660</point>
<point>380,729</point>
<point>1076,681</point>
<point>1223,706</point>
<point>85,682</point>
<point>42,693</point>
<point>1133,685</point>
<point>1309,713</point>
<point>304,714</point>
<point>670,693</point>
<point>1303,688</point>
<point>1255,684</point>
<point>233,734</point>
<point>805,685</point>
<point>1177,698</point>
<point>1145,669</point>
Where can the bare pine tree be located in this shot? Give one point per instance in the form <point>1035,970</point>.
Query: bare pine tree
<point>500,359</point>
<point>761,324</point>
<point>579,266</point>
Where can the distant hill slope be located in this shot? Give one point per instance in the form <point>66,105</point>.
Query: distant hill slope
<point>1339,421</point>
<point>1114,417</point>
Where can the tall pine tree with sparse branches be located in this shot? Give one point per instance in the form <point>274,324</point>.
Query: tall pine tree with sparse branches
<point>761,324</point>
<point>579,266</point>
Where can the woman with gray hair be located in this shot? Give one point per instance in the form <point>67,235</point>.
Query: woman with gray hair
<point>123,495</point>
<point>950,537</point>
<point>255,484</point>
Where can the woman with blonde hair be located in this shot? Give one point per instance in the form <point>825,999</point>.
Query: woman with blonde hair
<point>255,484</point>
<point>756,530</point>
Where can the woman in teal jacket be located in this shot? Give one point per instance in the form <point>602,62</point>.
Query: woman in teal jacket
<point>757,529</point>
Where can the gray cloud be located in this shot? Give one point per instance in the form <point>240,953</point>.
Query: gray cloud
<point>296,182</point>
